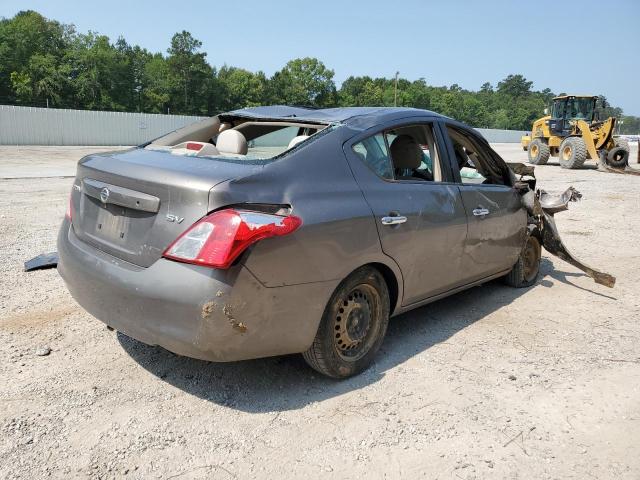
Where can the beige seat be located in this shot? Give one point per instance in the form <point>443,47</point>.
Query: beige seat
<point>296,140</point>
<point>232,142</point>
<point>406,155</point>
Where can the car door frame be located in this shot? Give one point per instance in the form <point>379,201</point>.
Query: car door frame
<point>453,165</point>
<point>447,175</point>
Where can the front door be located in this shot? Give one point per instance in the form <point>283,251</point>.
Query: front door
<point>497,220</point>
<point>419,212</point>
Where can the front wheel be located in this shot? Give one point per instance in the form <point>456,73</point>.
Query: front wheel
<point>573,152</point>
<point>525,272</point>
<point>353,325</point>
<point>538,152</point>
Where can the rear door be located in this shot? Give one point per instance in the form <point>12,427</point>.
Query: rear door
<point>419,213</point>
<point>496,218</point>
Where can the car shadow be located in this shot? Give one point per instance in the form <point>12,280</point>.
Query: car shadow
<point>287,383</point>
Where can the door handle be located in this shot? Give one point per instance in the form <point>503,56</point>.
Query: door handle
<point>480,212</point>
<point>395,220</point>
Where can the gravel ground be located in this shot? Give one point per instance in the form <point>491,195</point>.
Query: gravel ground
<point>490,383</point>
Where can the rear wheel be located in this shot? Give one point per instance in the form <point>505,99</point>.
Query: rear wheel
<point>538,152</point>
<point>618,157</point>
<point>353,325</point>
<point>572,153</point>
<point>525,272</point>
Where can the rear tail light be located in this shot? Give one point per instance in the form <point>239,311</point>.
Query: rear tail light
<point>218,239</point>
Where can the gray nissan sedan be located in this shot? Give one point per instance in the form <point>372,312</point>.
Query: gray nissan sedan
<point>277,230</point>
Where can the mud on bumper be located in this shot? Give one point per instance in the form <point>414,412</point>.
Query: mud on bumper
<point>218,315</point>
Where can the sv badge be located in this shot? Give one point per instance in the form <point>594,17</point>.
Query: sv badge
<point>174,218</point>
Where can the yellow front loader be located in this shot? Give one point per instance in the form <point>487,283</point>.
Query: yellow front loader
<point>574,133</point>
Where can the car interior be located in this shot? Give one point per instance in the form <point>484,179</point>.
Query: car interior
<point>404,154</point>
<point>238,139</point>
<point>476,166</point>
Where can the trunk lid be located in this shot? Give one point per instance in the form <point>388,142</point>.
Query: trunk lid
<point>133,204</point>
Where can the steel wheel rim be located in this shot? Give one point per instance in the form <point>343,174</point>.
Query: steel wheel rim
<point>530,261</point>
<point>356,322</point>
<point>534,151</point>
<point>566,153</point>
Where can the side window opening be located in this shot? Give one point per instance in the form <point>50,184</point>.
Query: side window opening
<point>414,153</point>
<point>476,165</point>
<point>404,154</point>
<point>373,152</point>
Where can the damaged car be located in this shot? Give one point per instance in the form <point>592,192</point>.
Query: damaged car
<point>278,230</point>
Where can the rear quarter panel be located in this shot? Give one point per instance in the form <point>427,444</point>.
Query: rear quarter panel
<point>338,233</point>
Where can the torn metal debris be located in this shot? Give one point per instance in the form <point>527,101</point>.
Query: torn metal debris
<point>41,262</point>
<point>605,163</point>
<point>542,207</point>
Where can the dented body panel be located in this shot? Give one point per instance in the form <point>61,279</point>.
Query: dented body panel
<point>218,315</point>
<point>128,207</point>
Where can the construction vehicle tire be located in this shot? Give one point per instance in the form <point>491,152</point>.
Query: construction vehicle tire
<point>572,153</point>
<point>538,152</point>
<point>618,157</point>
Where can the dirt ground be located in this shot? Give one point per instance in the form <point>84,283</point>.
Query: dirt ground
<point>490,383</point>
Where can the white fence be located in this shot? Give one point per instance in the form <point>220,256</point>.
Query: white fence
<point>50,126</point>
<point>501,136</point>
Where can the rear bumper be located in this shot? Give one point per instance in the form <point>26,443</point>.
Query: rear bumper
<point>218,315</point>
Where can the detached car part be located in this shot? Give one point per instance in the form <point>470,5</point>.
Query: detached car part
<point>542,207</point>
<point>41,262</point>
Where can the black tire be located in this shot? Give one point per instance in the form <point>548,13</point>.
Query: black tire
<point>618,157</point>
<point>538,152</point>
<point>572,153</point>
<point>353,325</point>
<point>525,272</point>
<point>623,143</point>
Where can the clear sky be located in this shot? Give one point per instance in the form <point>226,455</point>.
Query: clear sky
<point>590,47</point>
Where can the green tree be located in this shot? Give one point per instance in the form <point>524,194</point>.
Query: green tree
<point>44,62</point>
<point>304,81</point>
<point>155,85</point>
<point>241,88</point>
<point>190,76</point>
<point>515,86</point>
<point>28,34</point>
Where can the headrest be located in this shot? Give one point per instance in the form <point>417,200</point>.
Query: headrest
<point>224,126</point>
<point>232,141</point>
<point>405,152</point>
<point>296,140</point>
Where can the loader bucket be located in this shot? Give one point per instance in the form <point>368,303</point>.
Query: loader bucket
<point>608,162</point>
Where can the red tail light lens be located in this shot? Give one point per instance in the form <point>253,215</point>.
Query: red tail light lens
<point>218,239</point>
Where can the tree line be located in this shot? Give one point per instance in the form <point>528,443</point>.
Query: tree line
<point>47,63</point>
